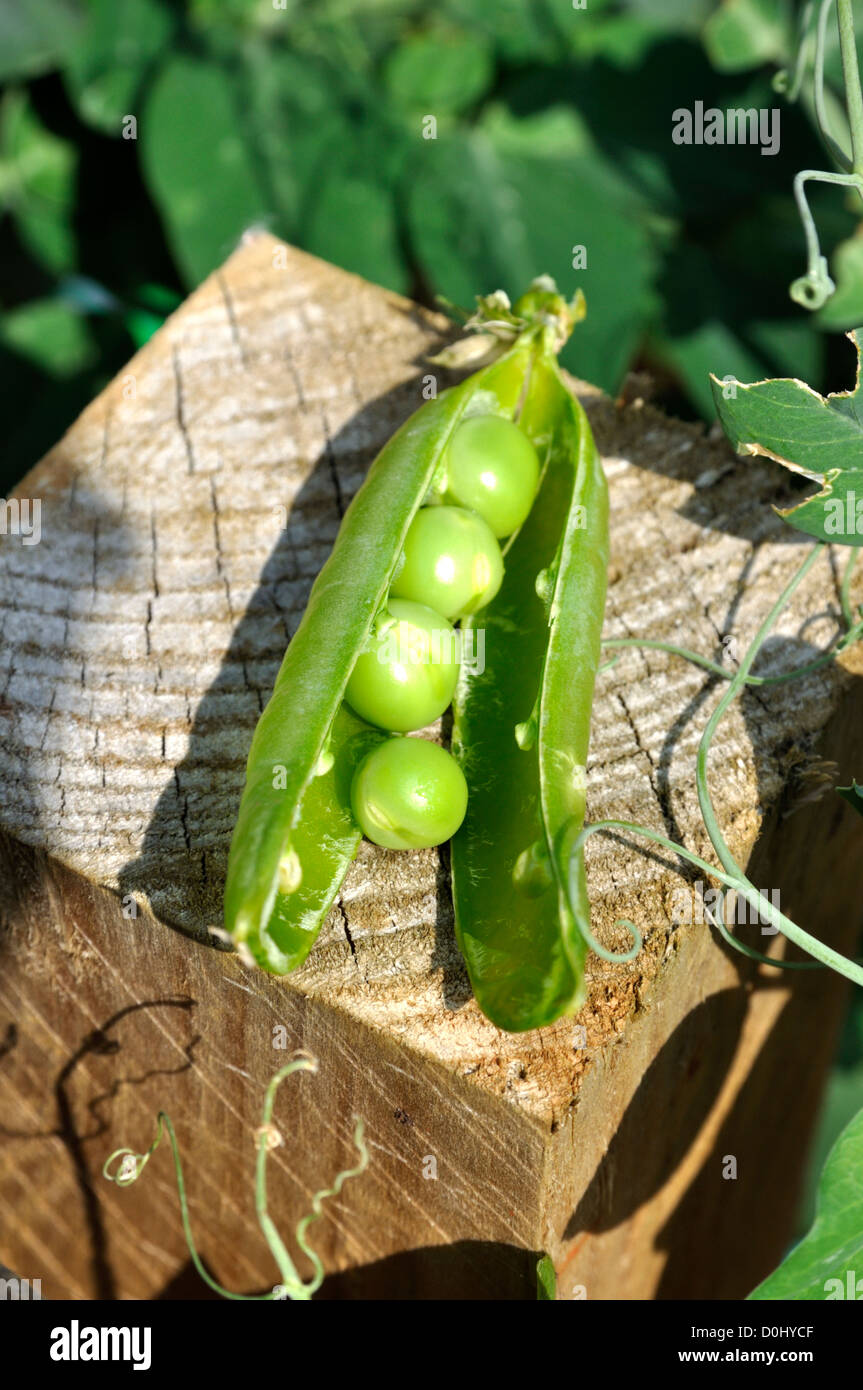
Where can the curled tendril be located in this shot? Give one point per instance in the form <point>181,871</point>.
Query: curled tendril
<point>785,82</point>
<point>812,290</point>
<point>129,1172</point>
<point>321,1196</point>
<point>292,1286</point>
<point>731,875</point>
<point>615,957</point>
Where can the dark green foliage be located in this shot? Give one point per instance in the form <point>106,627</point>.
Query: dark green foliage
<point>553,133</point>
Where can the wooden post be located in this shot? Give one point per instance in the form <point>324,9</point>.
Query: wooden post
<point>183,519</point>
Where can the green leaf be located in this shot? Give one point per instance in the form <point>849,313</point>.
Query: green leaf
<point>196,164</point>
<point>853,795</point>
<point>295,125</point>
<point>820,437</point>
<point>675,16</point>
<point>546,1280</point>
<point>622,39</point>
<point>693,354</point>
<point>844,309</point>
<point>439,73</point>
<point>239,15</point>
<point>499,205</point>
<point>833,76</point>
<point>50,334</point>
<point>105,69</point>
<point>842,1099</point>
<point>517,30</point>
<point>828,1262</point>
<point>353,224</point>
<point>787,345</point>
<point>145,316</point>
<point>743,34</point>
<point>34,35</point>
<point>37,183</point>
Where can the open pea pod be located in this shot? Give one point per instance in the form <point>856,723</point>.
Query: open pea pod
<point>295,833</point>
<point>521,730</point>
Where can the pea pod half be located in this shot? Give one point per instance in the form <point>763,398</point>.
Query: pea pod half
<point>295,833</point>
<point>521,731</point>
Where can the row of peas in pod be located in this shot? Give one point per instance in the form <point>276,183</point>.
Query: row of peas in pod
<point>408,793</point>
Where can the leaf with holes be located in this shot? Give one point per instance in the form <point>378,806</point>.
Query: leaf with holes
<point>820,437</point>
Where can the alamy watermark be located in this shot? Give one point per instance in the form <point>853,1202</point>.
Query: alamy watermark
<point>697,902</point>
<point>21,516</point>
<point>735,126</point>
<point>20,1290</point>
<point>405,646</point>
<point>851,1288</point>
<point>843,516</point>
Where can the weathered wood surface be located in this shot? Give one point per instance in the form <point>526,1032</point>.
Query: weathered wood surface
<point>184,518</point>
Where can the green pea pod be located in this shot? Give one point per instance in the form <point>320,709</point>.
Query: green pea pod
<point>295,833</point>
<point>521,730</point>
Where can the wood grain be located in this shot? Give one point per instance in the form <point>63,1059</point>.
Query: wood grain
<point>184,518</point>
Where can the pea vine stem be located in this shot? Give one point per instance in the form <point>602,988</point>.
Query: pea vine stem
<point>813,289</point>
<point>851,76</point>
<point>832,146</point>
<point>781,81</point>
<point>845,590</point>
<point>731,874</point>
<point>290,1278</point>
<point>801,938</point>
<point>855,631</point>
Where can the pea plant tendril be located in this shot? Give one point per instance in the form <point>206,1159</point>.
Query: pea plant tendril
<point>731,875</point>
<point>813,289</point>
<point>292,1286</point>
<point>853,633</point>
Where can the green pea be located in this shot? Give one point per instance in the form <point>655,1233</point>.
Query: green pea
<point>492,468</point>
<point>452,562</point>
<point>406,676</point>
<point>409,794</point>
